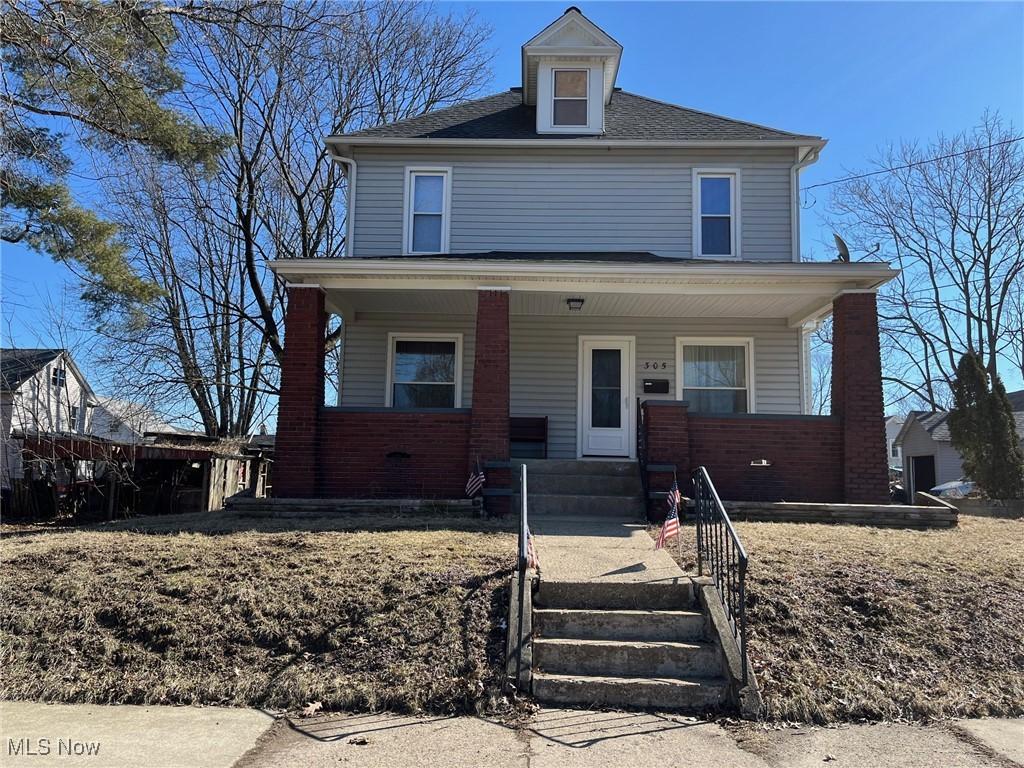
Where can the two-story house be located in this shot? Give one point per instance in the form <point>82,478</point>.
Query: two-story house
<point>42,391</point>
<point>570,270</point>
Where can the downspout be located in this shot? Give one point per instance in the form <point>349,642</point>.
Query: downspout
<point>794,184</point>
<point>350,203</point>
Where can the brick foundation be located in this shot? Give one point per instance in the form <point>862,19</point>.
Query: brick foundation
<point>393,454</point>
<point>857,398</point>
<point>302,393</point>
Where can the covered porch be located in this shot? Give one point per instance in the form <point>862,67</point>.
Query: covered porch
<point>445,363</point>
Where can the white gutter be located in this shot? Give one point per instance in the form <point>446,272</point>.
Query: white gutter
<point>794,184</point>
<point>350,203</point>
<point>389,141</point>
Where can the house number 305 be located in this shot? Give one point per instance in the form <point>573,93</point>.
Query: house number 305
<point>651,365</point>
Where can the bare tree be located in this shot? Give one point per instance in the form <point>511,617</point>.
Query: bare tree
<point>951,217</point>
<point>276,82</point>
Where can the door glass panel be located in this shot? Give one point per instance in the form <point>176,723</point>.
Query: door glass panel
<point>606,388</point>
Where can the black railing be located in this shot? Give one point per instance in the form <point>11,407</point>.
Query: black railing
<point>721,553</point>
<point>522,564</point>
<point>641,447</point>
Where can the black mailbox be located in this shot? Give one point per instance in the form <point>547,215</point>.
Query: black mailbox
<point>655,386</point>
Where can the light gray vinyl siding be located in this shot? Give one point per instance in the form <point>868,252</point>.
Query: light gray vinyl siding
<point>545,359</point>
<point>534,200</point>
<point>364,368</point>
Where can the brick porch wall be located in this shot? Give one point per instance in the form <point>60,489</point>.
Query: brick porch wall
<point>302,393</point>
<point>383,453</point>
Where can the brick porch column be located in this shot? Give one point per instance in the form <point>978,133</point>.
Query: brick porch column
<point>489,428</point>
<point>857,397</point>
<point>302,393</point>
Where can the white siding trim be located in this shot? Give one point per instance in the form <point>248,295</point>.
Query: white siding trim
<point>411,171</point>
<point>709,341</point>
<point>400,336</point>
<point>737,231</point>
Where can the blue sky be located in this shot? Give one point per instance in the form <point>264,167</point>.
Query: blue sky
<point>860,74</point>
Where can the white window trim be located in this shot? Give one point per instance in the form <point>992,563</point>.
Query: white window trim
<point>399,336</point>
<point>411,171</point>
<point>586,99</point>
<point>698,248</point>
<point>747,342</point>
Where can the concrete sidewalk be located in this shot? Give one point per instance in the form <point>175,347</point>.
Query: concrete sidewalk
<point>34,734</point>
<point>560,738</point>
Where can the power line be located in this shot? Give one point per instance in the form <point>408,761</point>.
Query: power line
<point>914,164</point>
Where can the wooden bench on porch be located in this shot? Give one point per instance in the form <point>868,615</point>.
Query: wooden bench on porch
<point>528,437</point>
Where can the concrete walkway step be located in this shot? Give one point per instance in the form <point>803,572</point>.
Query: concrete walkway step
<point>625,658</point>
<point>690,695</point>
<point>616,595</point>
<point>577,467</point>
<point>588,624</point>
<point>586,485</point>
<point>623,507</point>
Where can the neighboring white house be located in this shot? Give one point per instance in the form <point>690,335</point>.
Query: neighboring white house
<point>124,422</point>
<point>41,391</point>
<point>929,458</point>
<point>893,425</point>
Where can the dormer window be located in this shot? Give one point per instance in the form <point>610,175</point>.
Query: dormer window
<point>570,89</point>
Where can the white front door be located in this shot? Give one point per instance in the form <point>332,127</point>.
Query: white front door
<point>606,396</point>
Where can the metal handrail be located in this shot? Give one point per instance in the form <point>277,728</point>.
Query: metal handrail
<point>641,449</point>
<point>521,565</point>
<point>719,547</point>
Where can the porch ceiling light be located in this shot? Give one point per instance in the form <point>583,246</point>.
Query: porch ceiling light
<point>574,303</point>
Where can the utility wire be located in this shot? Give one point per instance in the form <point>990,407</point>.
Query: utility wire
<point>914,164</point>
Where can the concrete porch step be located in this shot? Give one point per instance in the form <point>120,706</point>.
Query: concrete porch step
<point>585,485</point>
<point>625,658</point>
<point>577,467</point>
<point>621,507</point>
<point>688,695</point>
<point>618,624</point>
<point>616,595</point>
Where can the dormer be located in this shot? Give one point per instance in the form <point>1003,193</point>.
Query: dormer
<point>569,72</point>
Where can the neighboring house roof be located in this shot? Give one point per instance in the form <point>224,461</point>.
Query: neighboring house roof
<point>628,117</point>
<point>936,423</point>
<point>138,418</point>
<point>19,365</point>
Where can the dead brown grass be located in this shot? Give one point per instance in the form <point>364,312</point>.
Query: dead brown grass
<point>850,622</point>
<point>400,613</point>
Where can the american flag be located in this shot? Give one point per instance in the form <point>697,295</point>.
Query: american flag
<point>476,481</point>
<point>670,527</point>
<point>531,552</point>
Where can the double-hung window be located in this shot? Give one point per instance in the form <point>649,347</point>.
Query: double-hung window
<point>570,107</point>
<point>424,371</point>
<point>716,214</point>
<point>58,376</point>
<point>73,425</point>
<point>427,197</point>
<point>715,375</point>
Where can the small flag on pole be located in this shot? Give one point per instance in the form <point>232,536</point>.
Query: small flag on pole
<point>476,481</point>
<point>670,527</point>
<point>531,552</point>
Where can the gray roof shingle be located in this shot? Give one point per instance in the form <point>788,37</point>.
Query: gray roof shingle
<point>627,117</point>
<point>19,365</point>
<point>937,422</point>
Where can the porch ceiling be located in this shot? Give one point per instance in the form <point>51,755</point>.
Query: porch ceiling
<point>798,292</point>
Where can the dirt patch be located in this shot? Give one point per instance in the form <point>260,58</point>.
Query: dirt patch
<point>851,622</point>
<point>403,613</point>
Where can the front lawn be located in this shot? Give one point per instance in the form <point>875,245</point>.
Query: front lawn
<point>400,613</point>
<point>850,622</point>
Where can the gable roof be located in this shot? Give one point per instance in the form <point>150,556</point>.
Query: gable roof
<point>628,117</point>
<point>19,365</point>
<point>936,423</point>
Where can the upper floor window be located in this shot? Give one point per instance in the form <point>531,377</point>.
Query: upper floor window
<point>73,416</point>
<point>427,213</point>
<point>716,375</point>
<point>716,214</point>
<point>58,376</point>
<point>570,107</point>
